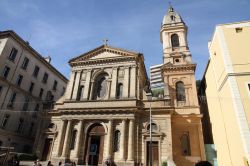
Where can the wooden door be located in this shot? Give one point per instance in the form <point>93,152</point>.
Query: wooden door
<point>47,149</point>
<point>155,153</point>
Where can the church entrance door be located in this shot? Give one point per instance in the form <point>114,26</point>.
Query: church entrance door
<point>94,155</point>
<point>155,153</point>
<point>47,149</point>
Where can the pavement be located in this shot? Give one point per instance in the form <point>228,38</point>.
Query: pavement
<point>31,163</point>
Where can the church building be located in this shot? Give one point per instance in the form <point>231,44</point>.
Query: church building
<point>105,111</point>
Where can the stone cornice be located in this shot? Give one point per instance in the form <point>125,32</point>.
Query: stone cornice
<point>169,68</point>
<point>103,61</point>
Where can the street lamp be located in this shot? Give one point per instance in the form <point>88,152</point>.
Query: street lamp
<point>149,96</point>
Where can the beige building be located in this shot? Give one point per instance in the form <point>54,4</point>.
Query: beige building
<point>227,88</point>
<point>156,81</point>
<point>105,111</point>
<point>27,82</point>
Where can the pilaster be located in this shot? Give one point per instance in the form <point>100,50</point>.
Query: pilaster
<point>126,82</point>
<point>114,82</point>
<point>123,138</point>
<point>67,140</point>
<point>76,86</point>
<point>87,86</point>
<point>70,86</point>
<point>61,139</point>
<point>109,140</point>
<point>133,82</point>
<point>131,140</point>
<point>79,139</point>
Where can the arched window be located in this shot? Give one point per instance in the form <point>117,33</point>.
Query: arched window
<point>175,40</point>
<point>185,145</point>
<point>117,140</point>
<point>73,140</point>
<point>101,87</point>
<point>180,91</point>
<point>80,93</point>
<point>119,91</point>
<point>154,127</point>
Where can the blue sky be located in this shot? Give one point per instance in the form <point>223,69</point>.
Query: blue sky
<point>64,29</point>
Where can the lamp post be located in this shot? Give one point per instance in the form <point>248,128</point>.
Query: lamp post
<point>149,96</point>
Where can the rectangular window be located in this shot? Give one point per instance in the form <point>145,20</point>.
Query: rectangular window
<point>45,78</point>
<point>26,104</point>
<point>63,91</point>
<point>19,80</point>
<point>25,63</point>
<point>37,107</point>
<point>20,125</point>
<point>36,71</point>
<point>55,85</point>
<point>13,54</point>
<point>31,128</point>
<point>41,93</point>
<point>12,100</point>
<point>6,71</point>
<point>1,88</point>
<point>5,121</point>
<point>248,85</point>
<point>31,87</point>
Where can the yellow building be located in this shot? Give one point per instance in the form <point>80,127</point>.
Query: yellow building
<point>227,88</point>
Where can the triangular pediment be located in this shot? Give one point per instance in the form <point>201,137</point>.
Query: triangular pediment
<point>104,52</point>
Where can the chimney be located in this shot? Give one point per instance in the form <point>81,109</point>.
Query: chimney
<point>48,59</point>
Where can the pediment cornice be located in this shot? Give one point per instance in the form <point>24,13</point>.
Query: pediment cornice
<point>103,61</point>
<point>85,58</point>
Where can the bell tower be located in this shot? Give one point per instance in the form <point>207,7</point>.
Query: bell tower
<point>174,39</point>
<point>180,89</point>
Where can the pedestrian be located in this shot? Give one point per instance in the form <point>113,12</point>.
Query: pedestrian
<point>38,163</point>
<point>49,164</point>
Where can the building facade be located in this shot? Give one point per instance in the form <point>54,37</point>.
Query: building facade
<point>227,88</point>
<point>27,80</point>
<point>105,111</point>
<point>156,81</point>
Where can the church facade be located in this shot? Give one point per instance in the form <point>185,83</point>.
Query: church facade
<point>105,111</point>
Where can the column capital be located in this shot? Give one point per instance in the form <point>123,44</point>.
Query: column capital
<point>89,70</point>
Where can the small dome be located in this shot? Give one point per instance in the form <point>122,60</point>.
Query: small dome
<point>171,17</point>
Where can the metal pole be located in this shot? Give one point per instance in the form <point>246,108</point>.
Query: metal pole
<point>150,132</point>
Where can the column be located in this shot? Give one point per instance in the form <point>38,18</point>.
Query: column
<point>131,140</point>
<point>133,82</point>
<point>70,86</point>
<point>79,139</point>
<point>114,82</point>
<point>110,140</point>
<point>67,140</point>
<point>87,86</point>
<point>76,87</point>
<point>122,141</point>
<point>126,82</point>
<point>61,139</point>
